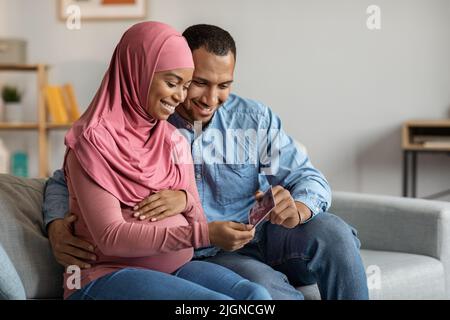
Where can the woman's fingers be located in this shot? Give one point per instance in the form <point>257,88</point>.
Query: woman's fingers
<point>147,201</point>
<point>149,207</point>
<point>153,212</point>
<point>161,205</point>
<point>161,216</point>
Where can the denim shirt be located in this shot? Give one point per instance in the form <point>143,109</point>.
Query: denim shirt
<point>243,149</point>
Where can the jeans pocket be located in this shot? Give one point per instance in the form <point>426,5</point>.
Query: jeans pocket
<point>235,182</point>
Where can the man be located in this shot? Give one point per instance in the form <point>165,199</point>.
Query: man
<point>239,148</point>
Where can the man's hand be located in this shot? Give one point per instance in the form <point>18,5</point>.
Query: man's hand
<point>287,212</point>
<point>67,249</point>
<point>161,205</point>
<point>229,235</point>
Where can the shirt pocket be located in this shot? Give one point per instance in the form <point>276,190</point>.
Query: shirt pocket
<point>235,182</point>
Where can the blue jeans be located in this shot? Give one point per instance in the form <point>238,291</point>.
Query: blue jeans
<point>196,280</point>
<point>324,251</point>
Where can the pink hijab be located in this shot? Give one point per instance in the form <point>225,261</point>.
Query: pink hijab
<point>120,146</point>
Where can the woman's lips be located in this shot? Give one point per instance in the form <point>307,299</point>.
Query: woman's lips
<point>167,107</point>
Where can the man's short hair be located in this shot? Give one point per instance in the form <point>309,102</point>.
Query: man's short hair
<point>214,39</point>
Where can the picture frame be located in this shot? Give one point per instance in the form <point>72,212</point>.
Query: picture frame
<point>91,10</point>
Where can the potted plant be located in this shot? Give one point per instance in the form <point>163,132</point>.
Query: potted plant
<point>12,107</point>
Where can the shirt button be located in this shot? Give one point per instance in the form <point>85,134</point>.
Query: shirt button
<point>198,176</point>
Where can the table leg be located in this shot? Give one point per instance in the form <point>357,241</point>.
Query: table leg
<point>414,174</point>
<point>405,173</point>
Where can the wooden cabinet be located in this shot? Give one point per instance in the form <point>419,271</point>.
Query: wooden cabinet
<point>426,135</point>
<point>422,136</point>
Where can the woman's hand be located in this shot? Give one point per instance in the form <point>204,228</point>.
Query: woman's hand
<point>161,205</point>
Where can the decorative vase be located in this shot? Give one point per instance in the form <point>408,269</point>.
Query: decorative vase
<point>13,111</point>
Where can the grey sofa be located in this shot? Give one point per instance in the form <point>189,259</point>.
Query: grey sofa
<point>405,244</point>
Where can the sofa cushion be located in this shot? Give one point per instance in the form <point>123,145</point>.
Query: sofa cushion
<point>394,275</point>
<point>11,288</point>
<point>22,237</point>
<point>404,276</point>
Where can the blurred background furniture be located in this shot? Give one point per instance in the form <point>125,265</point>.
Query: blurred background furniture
<point>422,136</point>
<point>42,125</point>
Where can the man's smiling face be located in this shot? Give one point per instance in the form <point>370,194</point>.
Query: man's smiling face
<point>210,87</point>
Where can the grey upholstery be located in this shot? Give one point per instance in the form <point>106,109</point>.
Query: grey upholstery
<point>405,244</point>
<point>400,276</point>
<point>406,240</point>
<point>11,287</point>
<point>22,237</point>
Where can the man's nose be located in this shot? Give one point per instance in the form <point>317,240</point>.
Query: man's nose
<point>211,98</point>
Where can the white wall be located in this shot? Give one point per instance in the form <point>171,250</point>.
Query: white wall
<point>341,89</point>
<point>3,23</point>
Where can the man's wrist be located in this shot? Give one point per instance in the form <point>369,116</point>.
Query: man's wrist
<point>52,223</point>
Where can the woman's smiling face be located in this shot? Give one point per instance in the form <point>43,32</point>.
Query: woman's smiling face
<point>168,90</point>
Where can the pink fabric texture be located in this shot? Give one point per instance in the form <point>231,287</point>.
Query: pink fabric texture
<point>119,145</point>
<point>117,155</point>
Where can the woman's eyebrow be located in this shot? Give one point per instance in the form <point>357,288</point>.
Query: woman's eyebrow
<point>171,74</point>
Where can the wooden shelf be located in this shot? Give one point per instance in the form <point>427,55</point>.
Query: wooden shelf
<point>33,126</point>
<point>55,126</point>
<point>428,123</point>
<point>21,67</point>
<point>41,124</point>
<point>19,126</point>
<point>427,130</point>
<point>417,147</point>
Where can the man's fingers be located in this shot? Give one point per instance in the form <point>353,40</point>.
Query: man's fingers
<point>279,208</point>
<point>240,226</point>
<point>279,214</point>
<point>243,236</point>
<point>79,254</point>
<point>241,232</point>
<point>79,243</point>
<point>67,260</point>
<point>258,194</point>
<point>70,218</point>
<point>277,189</point>
<point>281,195</point>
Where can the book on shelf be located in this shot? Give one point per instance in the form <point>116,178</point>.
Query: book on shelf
<point>55,105</point>
<point>71,102</point>
<point>62,104</point>
<point>436,144</point>
<point>431,138</point>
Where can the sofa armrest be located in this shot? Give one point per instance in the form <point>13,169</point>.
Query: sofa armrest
<point>397,224</point>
